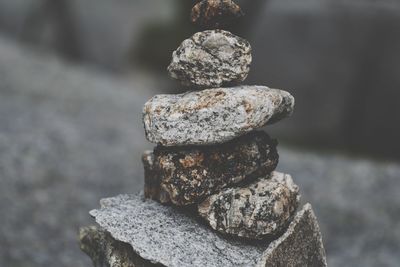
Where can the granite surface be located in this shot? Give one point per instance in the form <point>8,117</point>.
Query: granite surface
<point>263,208</point>
<point>175,238</point>
<point>211,59</point>
<point>213,116</point>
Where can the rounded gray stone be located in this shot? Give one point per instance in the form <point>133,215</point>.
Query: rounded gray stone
<point>213,116</point>
<point>210,59</point>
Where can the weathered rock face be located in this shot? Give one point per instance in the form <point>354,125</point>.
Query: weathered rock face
<point>263,208</point>
<point>106,251</point>
<point>213,116</point>
<point>183,241</point>
<point>215,13</point>
<point>300,245</point>
<point>211,59</point>
<point>186,175</point>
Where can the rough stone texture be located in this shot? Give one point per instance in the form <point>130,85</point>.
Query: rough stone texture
<point>213,116</point>
<point>172,237</point>
<point>211,59</point>
<point>300,245</point>
<point>108,252</point>
<point>215,13</point>
<point>187,175</point>
<point>263,208</point>
<point>152,181</point>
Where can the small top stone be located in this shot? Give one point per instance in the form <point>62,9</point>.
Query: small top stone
<point>210,59</point>
<point>215,13</point>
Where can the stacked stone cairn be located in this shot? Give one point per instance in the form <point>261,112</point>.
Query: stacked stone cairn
<point>213,169</point>
<point>211,156</point>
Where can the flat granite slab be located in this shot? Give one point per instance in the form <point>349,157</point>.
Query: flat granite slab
<point>167,236</point>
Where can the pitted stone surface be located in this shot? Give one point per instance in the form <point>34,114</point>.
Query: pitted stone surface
<point>263,208</point>
<point>106,251</point>
<point>169,236</point>
<point>300,245</point>
<point>210,59</point>
<point>183,241</point>
<point>213,116</point>
<point>215,13</point>
<point>187,175</point>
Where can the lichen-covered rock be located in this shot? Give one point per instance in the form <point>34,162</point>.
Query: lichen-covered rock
<point>215,13</point>
<point>152,180</point>
<point>213,116</point>
<point>187,175</point>
<point>263,208</point>
<point>167,236</point>
<point>210,59</point>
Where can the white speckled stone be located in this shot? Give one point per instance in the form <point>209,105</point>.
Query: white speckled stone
<point>210,59</point>
<point>213,116</point>
<point>262,208</point>
<point>165,236</point>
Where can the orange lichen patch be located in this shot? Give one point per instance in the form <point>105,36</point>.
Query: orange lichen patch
<point>158,110</point>
<point>276,100</point>
<point>192,160</point>
<point>205,100</point>
<point>247,106</point>
<point>210,99</point>
<point>216,157</point>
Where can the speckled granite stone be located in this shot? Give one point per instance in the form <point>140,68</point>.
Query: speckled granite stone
<point>170,237</point>
<point>187,175</point>
<point>262,208</point>
<point>300,245</point>
<point>213,116</point>
<point>211,59</point>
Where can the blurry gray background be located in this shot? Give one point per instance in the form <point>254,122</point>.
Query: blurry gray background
<point>74,75</point>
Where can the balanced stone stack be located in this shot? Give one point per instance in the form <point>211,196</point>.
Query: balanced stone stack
<point>213,164</point>
<point>210,153</point>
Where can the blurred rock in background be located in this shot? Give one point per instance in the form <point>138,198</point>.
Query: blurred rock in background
<point>98,32</point>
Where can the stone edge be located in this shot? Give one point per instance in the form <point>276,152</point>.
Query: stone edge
<point>305,211</point>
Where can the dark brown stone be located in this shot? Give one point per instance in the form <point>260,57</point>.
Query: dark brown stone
<point>187,175</point>
<point>215,13</point>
